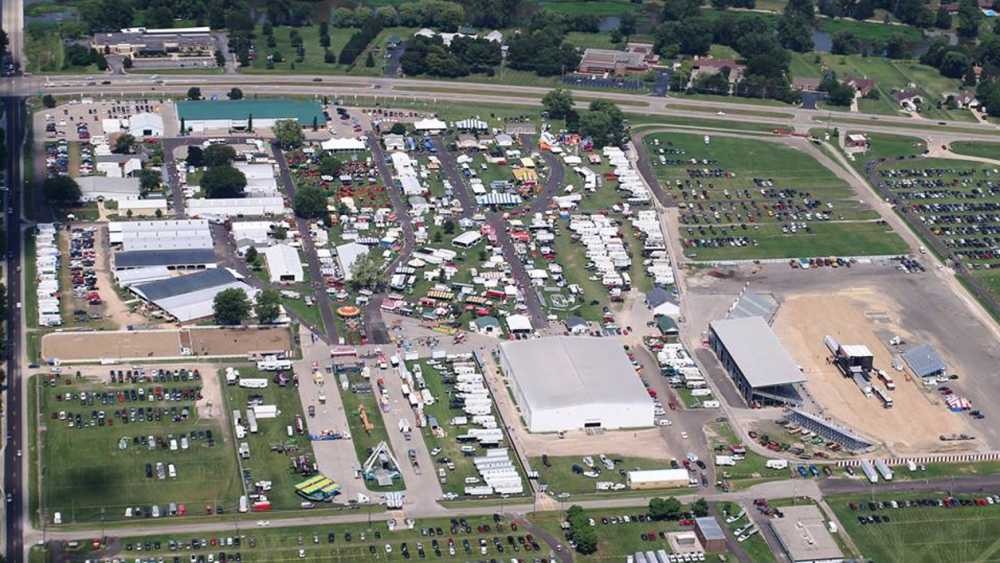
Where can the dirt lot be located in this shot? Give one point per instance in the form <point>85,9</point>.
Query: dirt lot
<point>70,346</point>
<point>860,316</point>
<point>232,342</point>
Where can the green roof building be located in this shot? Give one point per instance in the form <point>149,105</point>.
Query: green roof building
<point>236,114</point>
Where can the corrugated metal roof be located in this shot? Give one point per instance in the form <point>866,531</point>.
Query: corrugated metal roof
<point>924,361</point>
<point>176,257</point>
<point>185,284</point>
<point>208,110</point>
<point>757,351</point>
<point>710,528</point>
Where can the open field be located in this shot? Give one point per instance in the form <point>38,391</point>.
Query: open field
<point>167,343</point>
<point>266,464</point>
<point>747,199</point>
<point>88,476</point>
<point>921,534</point>
<point>985,150</point>
<point>367,542</point>
<point>615,541</point>
<point>598,8</point>
<point>560,478</point>
<point>862,316</point>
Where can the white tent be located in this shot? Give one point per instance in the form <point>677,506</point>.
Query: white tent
<point>431,125</point>
<point>345,144</point>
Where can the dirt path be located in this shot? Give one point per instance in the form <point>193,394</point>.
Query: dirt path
<point>114,308</point>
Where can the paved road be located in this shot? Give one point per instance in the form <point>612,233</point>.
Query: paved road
<point>309,249</point>
<point>13,24</point>
<point>554,181</point>
<point>173,177</point>
<point>458,184</point>
<point>442,92</point>
<point>518,271</point>
<point>13,469</point>
<point>971,484</point>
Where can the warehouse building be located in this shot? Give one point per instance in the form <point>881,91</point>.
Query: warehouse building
<point>568,383</point>
<point>160,235</point>
<point>145,125</point>
<point>283,264</point>
<point>174,259</point>
<point>658,479</point>
<point>755,359</point>
<point>205,115</point>
<point>804,536</point>
<point>924,361</point>
<point>236,207</point>
<point>101,188</point>
<point>190,297</point>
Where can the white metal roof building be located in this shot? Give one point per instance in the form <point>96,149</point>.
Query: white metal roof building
<point>569,382</point>
<point>236,207</point>
<point>756,360</point>
<point>145,125</point>
<point>261,181</point>
<point>160,235</point>
<point>348,254</point>
<point>345,144</point>
<point>657,478</point>
<point>190,297</point>
<point>283,263</point>
<point>804,536</point>
<point>93,188</point>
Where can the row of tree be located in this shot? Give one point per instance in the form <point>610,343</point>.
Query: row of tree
<point>233,307</point>
<point>603,122</point>
<point>584,535</point>
<point>465,55</point>
<point>359,41</point>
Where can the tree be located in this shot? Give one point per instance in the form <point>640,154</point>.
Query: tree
<point>943,19</point>
<point>802,8</point>
<point>149,180</point>
<point>194,93</point>
<point>969,17</point>
<point>61,190</point>
<point>288,132</point>
<point>218,155</point>
<point>398,129</point>
<point>253,258</point>
<point>895,46</point>
<point>700,508</point>
<point>677,10</point>
<point>231,306</point>
<point>665,509</point>
<point>627,24</point>
<point>124,144</point>
<point>370,60</point>
<point>581,532</point>
<point>49,101</point>
<point>845,43</point>
<point>223,182</point>
<point>366,272</point>
<point>558,103</point>
<point>604,123</point>
<point>267,306</point>
<point>795,33</point>
<point>309,203</point>
<point>330,165</point>
<point>195,156</point>
<point>236,94</point>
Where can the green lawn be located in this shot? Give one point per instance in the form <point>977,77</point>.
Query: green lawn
<point>849,229</point>
<point>756,547</point>
<point>977,148</point>
<point>309,313</point>
<point>560,478</point>
<point>892,147</point>
<point>600,8</point>
<point>313,61</point>
<point>86,474</point>
<point>922,534</point>
<point>616,541</point>
<point>591,40</point>
<point>571,255</point>
<point>30,303</point>
<point>364,441</point>
<point>751,470</point>
<point>367,543</point>
<point>869,31</point>
<point>265,464</point>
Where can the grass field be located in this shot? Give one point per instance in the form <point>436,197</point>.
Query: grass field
<point>87,477</point>
<point>600,8</point>
<point>367,542</point>
<point>560,478</point>
<point>922,534</point>
<point>977,148</point>
<point>756,547</point>
<point>365,441</point>
<point>448,444</point>
<point>264,464</point>
<point>751,470</point>
<point>869,31</point>
<point>616,541</point>
<point>722,204</point>
<point>313,62</point>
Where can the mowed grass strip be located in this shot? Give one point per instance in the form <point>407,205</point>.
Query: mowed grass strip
<point>85,475</point>
<point>364,440</point>
<point>917,535</point>
<point>974,148</point>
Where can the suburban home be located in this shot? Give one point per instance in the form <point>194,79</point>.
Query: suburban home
<point>909,100</point>
<point>856,141</point>
<point>708,65</point>
<point>861,85</point>
<point>806,84</point>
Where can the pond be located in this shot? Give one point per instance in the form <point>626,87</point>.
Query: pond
<point>608,23</point>
<point>822,41</point>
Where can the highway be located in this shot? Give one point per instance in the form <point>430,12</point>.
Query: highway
<point>487,94</point>
<point>13,470</point>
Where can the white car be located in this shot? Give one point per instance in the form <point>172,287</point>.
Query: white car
<point>684,435</point>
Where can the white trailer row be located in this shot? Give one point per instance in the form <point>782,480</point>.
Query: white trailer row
<point>47,259</point>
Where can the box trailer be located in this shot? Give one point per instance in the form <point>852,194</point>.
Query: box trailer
<point>869,471</point>
<point>884,397</point>
<point>884,470</point>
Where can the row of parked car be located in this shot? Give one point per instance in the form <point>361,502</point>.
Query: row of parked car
<point>155,375</point>
<point>82,257</point>
<point>132,395</point>
<point>943,502</point>
<point>125,416</point>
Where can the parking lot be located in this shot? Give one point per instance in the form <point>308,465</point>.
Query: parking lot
<point>138,438</point>
<point>921,527</point>
<point>741,198</point>
<point>77,121</point>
